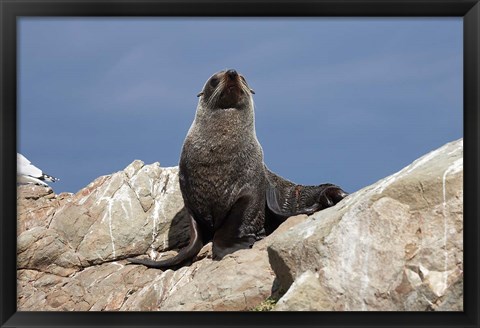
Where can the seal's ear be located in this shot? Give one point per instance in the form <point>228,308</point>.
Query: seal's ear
<point>200,94</point>
<point>252,91</point>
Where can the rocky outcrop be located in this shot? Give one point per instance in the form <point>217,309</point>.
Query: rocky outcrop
<point>396,245</point>
<point>72,259</point>
<point>132,212</point>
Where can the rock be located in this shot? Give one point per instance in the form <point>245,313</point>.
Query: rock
<point>36,206</point>
<point>46,250</point>
<point>66,263</point>
<point>396,245</point>
<point>121,215</point>
<point>305,294</point>
<point>239,282</point>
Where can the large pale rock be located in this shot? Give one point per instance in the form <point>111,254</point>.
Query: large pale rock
<point>395,245</point>
<point>239,282</point>
<point>128,213</point>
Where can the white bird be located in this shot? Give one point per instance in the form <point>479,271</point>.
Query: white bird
<point>29,173</point>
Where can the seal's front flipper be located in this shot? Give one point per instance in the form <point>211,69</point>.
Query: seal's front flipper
<point>238,229</point>
<point>184,255</point>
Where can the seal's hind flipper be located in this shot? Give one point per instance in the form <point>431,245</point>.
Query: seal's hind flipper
<point>184,255</point>
<point>272,200</point>
<point>290,206</point>
<point>285,198</point>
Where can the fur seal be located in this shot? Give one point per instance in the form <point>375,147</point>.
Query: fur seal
<point>232,198</point>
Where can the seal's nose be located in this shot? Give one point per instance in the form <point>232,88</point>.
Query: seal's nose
<point>232,73</point>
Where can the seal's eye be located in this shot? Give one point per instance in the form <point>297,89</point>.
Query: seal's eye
<point>214,81</point>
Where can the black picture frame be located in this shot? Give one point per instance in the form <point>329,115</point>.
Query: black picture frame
<point>10,10</point>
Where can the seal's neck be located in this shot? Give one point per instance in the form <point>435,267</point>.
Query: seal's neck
<point>225,121</point>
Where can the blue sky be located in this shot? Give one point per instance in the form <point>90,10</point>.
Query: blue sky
<point>340,100</point>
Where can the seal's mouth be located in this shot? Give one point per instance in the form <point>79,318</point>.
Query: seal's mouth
<point>232,90</point>
<point>230,97</point>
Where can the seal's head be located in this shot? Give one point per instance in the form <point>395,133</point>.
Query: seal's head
<point>226,89</point>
